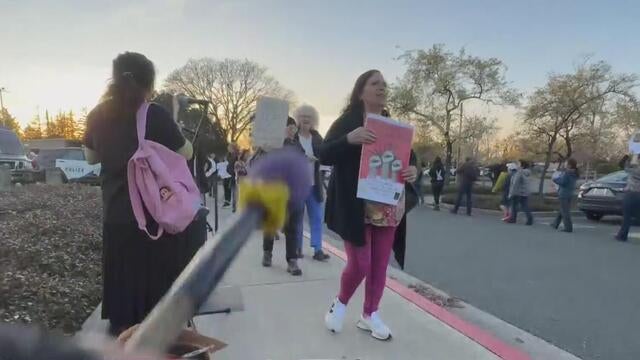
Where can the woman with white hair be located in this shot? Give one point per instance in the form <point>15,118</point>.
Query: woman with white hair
<point>310,140</point>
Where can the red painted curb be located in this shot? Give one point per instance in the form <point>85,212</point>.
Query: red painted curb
<point>480,336</point>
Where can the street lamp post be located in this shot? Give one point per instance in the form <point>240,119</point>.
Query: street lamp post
<point>1,102</point>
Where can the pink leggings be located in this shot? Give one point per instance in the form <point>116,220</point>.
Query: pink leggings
<point>368,261</point>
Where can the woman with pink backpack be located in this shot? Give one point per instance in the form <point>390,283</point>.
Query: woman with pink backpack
<point>137,270</point>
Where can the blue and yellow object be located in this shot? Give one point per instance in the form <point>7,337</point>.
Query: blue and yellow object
<point>272,196</point>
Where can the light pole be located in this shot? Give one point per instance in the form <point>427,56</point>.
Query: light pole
<point>1,102</point>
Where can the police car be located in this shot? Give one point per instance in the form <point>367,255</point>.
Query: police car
<point>70,160</point>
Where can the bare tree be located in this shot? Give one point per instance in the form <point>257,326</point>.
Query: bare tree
<point>557,110</point>
<point>232,86</point>
<point>437,82</point>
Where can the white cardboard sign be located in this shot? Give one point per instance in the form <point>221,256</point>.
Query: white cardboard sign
<point>270,124</point>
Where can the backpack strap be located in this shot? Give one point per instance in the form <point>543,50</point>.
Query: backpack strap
<point>141,122</point>
<point>134,194</point>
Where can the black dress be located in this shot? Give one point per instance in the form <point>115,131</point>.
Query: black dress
<point>137,271</point>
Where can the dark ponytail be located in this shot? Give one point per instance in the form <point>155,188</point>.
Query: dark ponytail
<point>133,77</point>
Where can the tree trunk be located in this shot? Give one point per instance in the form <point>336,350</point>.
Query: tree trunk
<point>448,158</point>
<point>547,161</point>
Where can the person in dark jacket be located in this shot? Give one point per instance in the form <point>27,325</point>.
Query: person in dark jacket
<point>294,224</point>
<point>467,175</point>
<point>368,244</point>
<point>437,173</point>
<point>229,183</point>
<point>566,187</point>
<point>631,201</point>
<point>310,140</point>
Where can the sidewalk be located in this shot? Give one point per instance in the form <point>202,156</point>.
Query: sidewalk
<point>283,317</point>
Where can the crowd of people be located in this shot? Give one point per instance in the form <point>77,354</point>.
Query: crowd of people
<point>138,270</point>
<point>513,183</point>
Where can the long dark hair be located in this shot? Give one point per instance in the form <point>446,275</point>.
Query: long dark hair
<point>437,163</point>
<point>573,164</point>
<point>133,76</point>
<point>356,104</point>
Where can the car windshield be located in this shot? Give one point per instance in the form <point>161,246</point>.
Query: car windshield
<point>47,158</point>
<point>618,176</point>
<point>9,143</point>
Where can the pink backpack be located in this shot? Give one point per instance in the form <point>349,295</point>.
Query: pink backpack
<point>160,179</point>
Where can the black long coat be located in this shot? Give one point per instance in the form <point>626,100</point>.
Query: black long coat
<point>344,212</point>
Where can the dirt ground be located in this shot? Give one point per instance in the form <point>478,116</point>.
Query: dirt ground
<point>50,255</point>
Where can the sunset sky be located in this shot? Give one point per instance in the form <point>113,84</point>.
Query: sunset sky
<point>56,55</point>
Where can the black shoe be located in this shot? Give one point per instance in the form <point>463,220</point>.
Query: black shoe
<point>619,238</point>
<point>529,223</point>
<point>266,259</point>
<point>454,212</point>
<point>567,230</point>
<point>293,268</point>
<point>554,226</point>
<point>321,256</point>
<point>436,207</point>
<point>226,205</point>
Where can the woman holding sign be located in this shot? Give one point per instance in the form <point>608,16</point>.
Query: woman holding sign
<point>368,243</point>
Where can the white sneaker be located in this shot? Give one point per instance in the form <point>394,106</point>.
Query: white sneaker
<point>335,316</point>
<point>374,325</point>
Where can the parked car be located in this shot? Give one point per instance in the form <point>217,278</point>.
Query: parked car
<point>70,160</point>
<point>603,196</point>
<point>12,154</point>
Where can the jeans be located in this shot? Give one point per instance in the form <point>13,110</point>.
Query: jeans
<point>436,188</point>
<point>316,215</point>
<point>630,208</point>
<point>291,230</point>
<point>369,261</point>
<point>564,215</point>
<point>520,202</point>
<point>465,190</point>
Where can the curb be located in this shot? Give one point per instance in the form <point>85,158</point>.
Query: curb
<point>473,332</point>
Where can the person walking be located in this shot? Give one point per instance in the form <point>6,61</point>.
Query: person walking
<point>294,223</point>
<point>229,183</point>
<point>566,187</point>
<point>519,190</point>
<point>137,271</point>
<point>467,175</point>
<point>631,201</point>
<point>503,185</point>
<point>367,243</point>
<point>310,140</point>
<point>437,181</point>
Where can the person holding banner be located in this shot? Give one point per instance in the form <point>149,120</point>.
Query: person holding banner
<point>368,244</point>
<point>294,224</point>
<point>310,140</point>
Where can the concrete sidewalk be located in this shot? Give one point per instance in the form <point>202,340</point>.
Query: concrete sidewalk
<point>283,317</point>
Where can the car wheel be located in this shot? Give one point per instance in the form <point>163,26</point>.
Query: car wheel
<point>594,216</point>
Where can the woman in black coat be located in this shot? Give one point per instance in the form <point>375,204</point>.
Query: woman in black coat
<point>369,230</point>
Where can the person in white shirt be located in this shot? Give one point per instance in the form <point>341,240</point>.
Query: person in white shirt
<point>310,140</point>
